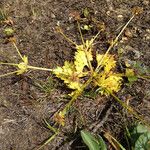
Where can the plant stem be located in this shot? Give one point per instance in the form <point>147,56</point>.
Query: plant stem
<point>7,74</point>
<point>144,77</point>
<point>130,109</point>
<point>78,93</point>
<point>68,39</point>
<point>86,51</point>
<point>80,33</point>
<point>96,35</point>
<point>122,30</point>
<point>49,140</point>
<point>9,64</point>
<point>39,68</point>
<point>115,143</point>
<point>50,127</point>
<point>88,61</point>
<point>113,43</point>
<point>17,50</point>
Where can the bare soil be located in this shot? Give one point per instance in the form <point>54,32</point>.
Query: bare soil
<point>27,99</point>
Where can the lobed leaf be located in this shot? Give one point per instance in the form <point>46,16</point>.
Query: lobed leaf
<point>81,59</point>
<point>143,142</point>
<point>107,62</point>
<point>69,75</point>
<point>111,83</point>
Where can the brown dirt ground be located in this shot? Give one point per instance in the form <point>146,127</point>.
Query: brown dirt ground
<point>24,103</point>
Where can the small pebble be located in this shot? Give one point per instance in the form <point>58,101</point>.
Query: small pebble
<point>53,16</point>
<point>124,39</point>
<point>128,33</point>
<point>148,30</point>
<point>147,37</point>
<point>108,13</point>
<point>146,2</point>
<point>120,17</point>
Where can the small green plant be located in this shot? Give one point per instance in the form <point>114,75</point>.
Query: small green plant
<point>136,136</point>
<point>139,137</point>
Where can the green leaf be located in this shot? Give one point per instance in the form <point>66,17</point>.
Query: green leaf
<point>132,79</point>
<point>140,67</point>
<point>140,129</point>
<point>92,142</point>
<point>130,75</point>
<point>139,135</point>
<point>101,143</point>
<point>143,142</point>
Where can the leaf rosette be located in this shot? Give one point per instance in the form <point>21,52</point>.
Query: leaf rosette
<point>74,73</point>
